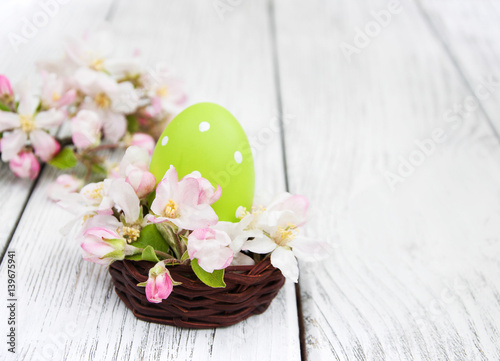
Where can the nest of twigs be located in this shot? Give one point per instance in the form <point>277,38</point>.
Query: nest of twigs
<point>249,291</point>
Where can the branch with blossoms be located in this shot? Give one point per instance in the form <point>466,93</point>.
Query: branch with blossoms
<point>109,103</point>
<point>128,217</point>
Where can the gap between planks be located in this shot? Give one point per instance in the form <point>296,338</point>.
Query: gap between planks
<point>279,102</point>
<point>453,59</point>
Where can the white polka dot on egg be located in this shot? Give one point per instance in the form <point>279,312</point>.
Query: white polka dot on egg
<point>238,157</point>
<point>164,141</point>
<point>204,126</point>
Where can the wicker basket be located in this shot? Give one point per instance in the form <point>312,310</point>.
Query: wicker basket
<point>249,291</point>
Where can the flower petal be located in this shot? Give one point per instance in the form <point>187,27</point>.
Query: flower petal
<point>115,126</point>
<point>45,145</point>
<point>285,260</point>
<point>12,143</point>
<point>310,249</point>
<point>124,197</point>
<point>49,118</point>
<point>8,120</point>
<point>28,101</point>
<point>261,245</point>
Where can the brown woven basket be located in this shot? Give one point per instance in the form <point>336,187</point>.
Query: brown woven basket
<point>249,291</point>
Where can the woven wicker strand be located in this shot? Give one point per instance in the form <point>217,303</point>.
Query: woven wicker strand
<point>249,291</point>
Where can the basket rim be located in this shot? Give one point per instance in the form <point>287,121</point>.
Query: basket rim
<point>249,291</point>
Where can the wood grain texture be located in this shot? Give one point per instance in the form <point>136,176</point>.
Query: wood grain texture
<point>469,33</point>
<point>413,273</point>
<point>68,308</point>
<point>17,61</point>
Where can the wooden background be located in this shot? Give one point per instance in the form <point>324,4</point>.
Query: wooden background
<point>415,270</point>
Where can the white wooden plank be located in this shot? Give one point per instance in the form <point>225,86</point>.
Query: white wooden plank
<point>413,272</point>
<point>475,47</point>
<point>59,290</point>
<point>18,63</point>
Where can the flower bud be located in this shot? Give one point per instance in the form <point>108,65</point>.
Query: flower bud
<point>144,141</point>
<point>5,88</point>
<point>25,165</point>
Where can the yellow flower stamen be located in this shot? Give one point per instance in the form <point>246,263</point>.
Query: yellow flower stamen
<point>130,234</point>
<point>102,100</point>
<point>171,210</point>
<point>56,96</point>
<point>27,123</point>
<point>162,92</point>
<point>285,234</point>
<point>95,193</point>
<point>86,217</point>
<point>97,65</point>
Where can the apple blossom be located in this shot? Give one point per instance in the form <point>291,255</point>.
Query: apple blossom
<point>123,195</point>
<point>165,91</point>
<point>208,194</point>
<point>134,168</point>
<point>109,99</point>
<point>104,246</point>
<point>144,141</point>
<point>55,91</point>
<point>25,165</point>
<point>143,182</point>
<point>159,284</point>
<point>86,129</point>
<point>93,51</point>
<point>211,248</point>
<point>178,202</point>
<point>5,88</point>
<point>91,200</point>
<point>65,184</point>
<point>28,124</point>
<point>280,223</point>
<point>239,232</point>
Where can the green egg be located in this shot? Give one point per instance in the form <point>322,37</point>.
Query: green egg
<point>208,138</point>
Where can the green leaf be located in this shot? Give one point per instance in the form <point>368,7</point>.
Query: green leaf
<point>169,236</point>
<point>151,237</point>
<point>132,123</point>
<point>149,255</point>
<point>214,279</point>
<point>64,159</point>
<point>99,168</point>
<point>4,107</point>
<point>142,284</point>
<point>116,254</point>
<point>185,256</point>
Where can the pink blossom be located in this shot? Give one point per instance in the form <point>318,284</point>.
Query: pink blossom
<point>65,184</point>
<point>295,205</point>
<point>135,157</point>
<point>86,128</point>
<point>145,141</point>
<point>109,99</point>
<point>165,91</point>
<point>159,284</point>
<point>134,168</point>
<point>124,197</point>
<point>208,194</point>
<point>95,198</point>
<point>25,165</point>
<point>93,51</point>
<point>29,124</point>
<point>55,91</point>
<point>211,248</point>
<point>103,246</point>
<point>178,202</point>
<point>280,223</point>
<point>5,88</point>
<point>143,182</point>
